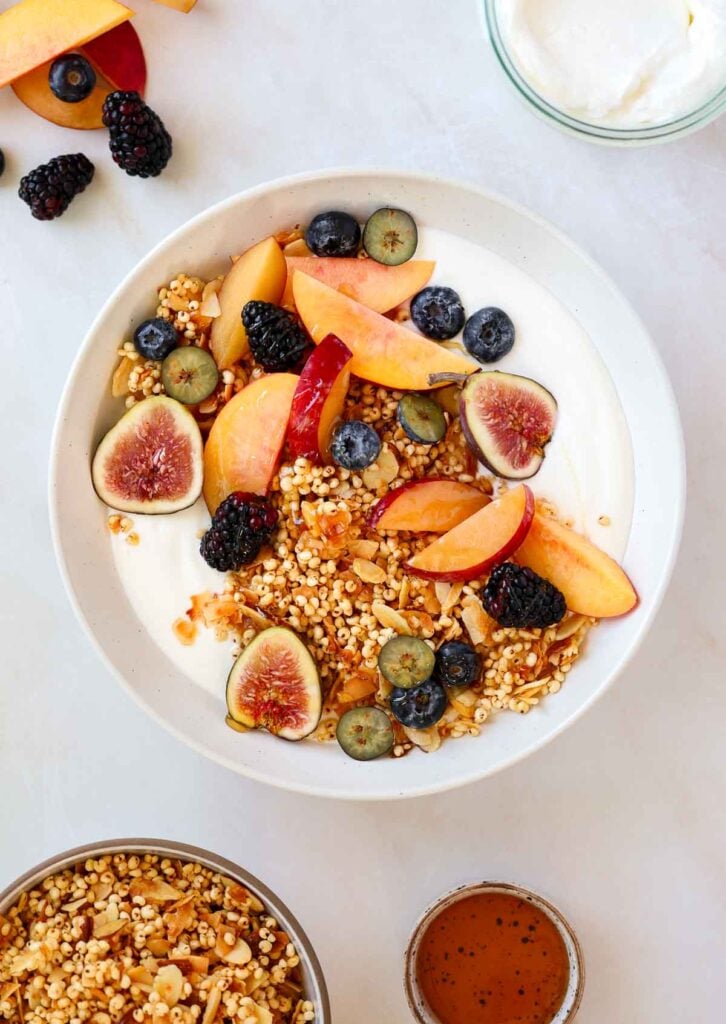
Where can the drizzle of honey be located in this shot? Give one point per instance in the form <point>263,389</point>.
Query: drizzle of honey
<point>492,958</point>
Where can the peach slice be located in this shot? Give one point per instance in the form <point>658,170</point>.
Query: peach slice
<point>591,582</point>
<point>370,283</point>
<point>35,31</point>
<point>482,541</point>
<point>260,273</point>
<point>383,351</point>
<point>184,6</point>
<point>434,505</point>
<point>317,404</point>
<point>244,444</point>
<point>118,60</point>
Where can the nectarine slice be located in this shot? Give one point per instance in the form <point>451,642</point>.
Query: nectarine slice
<point>370,283</point>
<point>383,351</point>
<point>591,582</point>
<point>244,444</point>
<point>435,505</point>
<point>118,60</point>
<point>317,404</point>
<point>482,541</point>
<point>184,6</point>
<point>35,31</point>
<point>260,273</point>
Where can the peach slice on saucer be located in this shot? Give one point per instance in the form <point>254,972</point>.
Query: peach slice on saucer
<point>591,582</point>
<point>483,540</point>
<point>434,505</point>
<point>383,352</point>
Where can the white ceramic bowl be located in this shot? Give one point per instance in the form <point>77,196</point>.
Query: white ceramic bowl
<point>79,520</point>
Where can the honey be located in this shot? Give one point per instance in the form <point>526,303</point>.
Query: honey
<point>492,958</point>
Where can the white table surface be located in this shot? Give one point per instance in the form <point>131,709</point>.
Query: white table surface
<point>621,821</point>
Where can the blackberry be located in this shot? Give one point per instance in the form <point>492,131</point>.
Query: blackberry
<point>140,144</point>
<point>240,526</point>
<point>49,189</point>
<point>516,597</point>
<point>277,340</point>
<point>2,162</point>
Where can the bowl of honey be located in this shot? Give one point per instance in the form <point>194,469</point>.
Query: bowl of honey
<point>493,953</point>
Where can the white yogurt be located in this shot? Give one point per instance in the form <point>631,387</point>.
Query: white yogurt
<point>587,473</point>
<point>622,63</point>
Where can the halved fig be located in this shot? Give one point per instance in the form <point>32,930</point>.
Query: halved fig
<point>507,421</point>
<point>151,461</point>
<point>274,685</point>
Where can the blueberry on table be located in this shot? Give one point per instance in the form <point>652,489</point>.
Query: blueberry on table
<point>422,419</point>
<point>438,312</point>
<point>355,445</point>
<point>155,338</point>
<point>406,661</point>
<point>420,707</point>
<point>457,664</point>
<point>71,78</point>
<point>333,234</point>
<point>390,236</point>
<point>488,334</point>
<point>365,733</point>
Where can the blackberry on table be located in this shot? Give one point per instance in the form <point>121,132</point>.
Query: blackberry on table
<point>277,341</point>
<point>140,144</point>
<point>2,162</point>
<point>240,527</point>
<point>49,189</point>
<point>517,598</point>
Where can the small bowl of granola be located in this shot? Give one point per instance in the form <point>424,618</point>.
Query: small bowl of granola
<point>147,930</point>
<point>358,462</point>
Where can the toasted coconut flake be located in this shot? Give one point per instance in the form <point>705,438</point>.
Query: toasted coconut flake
<point>169,984</point>
<point>120,379</point>
<point>569,626</point>
<point>154,890</point>
<point>364,548</point>
<point>383,471</point>
<point>427,740</point>
<point>213,1000</point>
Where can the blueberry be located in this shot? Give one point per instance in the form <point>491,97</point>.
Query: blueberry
<point>355,445</point>
<point>488,334</point>
<point>438,312</point>
<point>156,338</point>
<point>406,661</point>
<point>421,707</point>
<point>71,78</point>
<point>333,234</point>
<point>457,664</point>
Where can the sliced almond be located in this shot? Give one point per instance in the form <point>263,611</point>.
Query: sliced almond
<point>404,592</point>
<point>442,590</point>
<point>368,571</point>
<point>391,619</point>
<point>120,379</point>
<point>239,954</point>
<point>74,905</point>
<point>188,964</point>
<point>169,984</point>
<point>154,890</point>
<point>383,471</point>
<point>364,548</point>
<point>213,1000</point>
<point>568,627</point>
<point>102,890</point>
<point>427,740</point>
<point>109,928</point>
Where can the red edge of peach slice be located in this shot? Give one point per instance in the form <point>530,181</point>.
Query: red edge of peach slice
<point>487,538</point>
<point>319,399</point>
<point>415,493</point>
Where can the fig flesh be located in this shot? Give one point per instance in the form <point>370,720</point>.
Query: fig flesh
<point>507,421</point>
<point>151,461</point>
<point>274,685</point>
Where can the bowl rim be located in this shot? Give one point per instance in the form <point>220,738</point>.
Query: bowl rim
<point>172,848</point>
<point>451,896</point>
<point>600,134</point>
<point>677,478</point>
